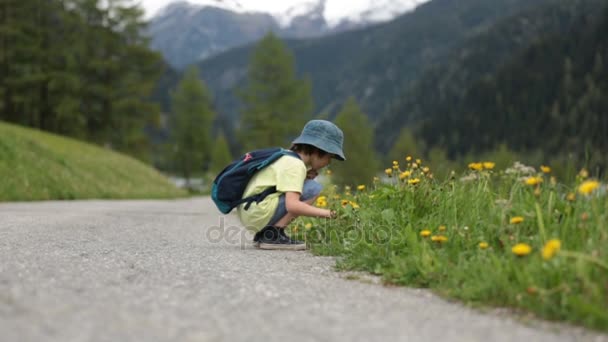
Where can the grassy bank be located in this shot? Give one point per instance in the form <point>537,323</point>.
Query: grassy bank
<point>513,238</point>
<point>40,166</point>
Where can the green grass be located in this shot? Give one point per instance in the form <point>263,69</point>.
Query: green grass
<point>383,236</point>
<point>35,165</point>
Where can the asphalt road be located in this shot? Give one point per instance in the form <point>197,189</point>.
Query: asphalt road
<point>176,271</point>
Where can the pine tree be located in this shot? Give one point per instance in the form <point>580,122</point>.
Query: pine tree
<point>405,145</point>
<point>191,124</point>
<point>276,104</point>
<point>220,156</point>
<point>358,147</point>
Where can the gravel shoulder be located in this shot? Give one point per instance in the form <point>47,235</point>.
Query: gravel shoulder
<point>177,270</point>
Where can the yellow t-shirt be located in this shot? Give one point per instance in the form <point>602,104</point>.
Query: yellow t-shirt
<point>287,174</point>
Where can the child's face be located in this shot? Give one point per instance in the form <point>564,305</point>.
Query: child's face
<point>318,163</point>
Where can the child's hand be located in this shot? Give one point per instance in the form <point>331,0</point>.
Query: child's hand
<point>312,174</point>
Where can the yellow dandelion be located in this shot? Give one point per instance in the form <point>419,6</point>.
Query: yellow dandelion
<point>361,187</point>
<point>376,179</point>
<point>389,172</point>
<point>571,196</point>
<point>545,169</point>
<point>395,163</point>
<point>418,161</point>
<point>588,187</point>
<point>344,203</point>
<point>408,158</point>
<point>521,249</point>
<point>413,181</point>
<point>426,169</point>
<point>551,248</point>
<point>439,238</point>
<point>583,173</point>
<point>425,233</point>
<point>516,220</point>
<point>308,225</point>
<point>483,245</point>
<point>403,175</point>
<point>488,165</point>
<point>354,205</point>
<point>441,228</point>
<point>476,166</point>
<point>533,180</point>
<point>414,166</point>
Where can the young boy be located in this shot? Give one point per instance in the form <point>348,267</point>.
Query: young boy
<point>319,142</point>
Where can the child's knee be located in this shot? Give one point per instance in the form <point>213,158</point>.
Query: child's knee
<point>311,189</point>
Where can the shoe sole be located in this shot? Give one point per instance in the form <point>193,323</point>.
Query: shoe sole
<point>278,246</point>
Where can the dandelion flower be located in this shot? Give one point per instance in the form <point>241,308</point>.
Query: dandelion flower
<point>545,169</point>
<point>583,173</point>
<point>441,228</point>
<point>344,203</point>
<point>476,166</point>
<point>353,204</point>
<point>403,175</point>
<point>426,169</point>
<point>488,165</point>
<point>521,249</point>
<point>516,220</point>
<point>588,187</point>
<point>439,238</point>
<point>418,161</point>
<point>389,172</point>
<point>483,245</point>
<point>376,179</point>
<point>361,187</point>
<point>408,158</point>
<point>534,180</point>
<point>551,248</point>
<point>321,201</point>
<point>413,181</point>
<point>308,225</point>
<point>425,233</point>
<point>571,196</point>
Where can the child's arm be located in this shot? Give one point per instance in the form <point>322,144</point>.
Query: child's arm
<point>298,208</point>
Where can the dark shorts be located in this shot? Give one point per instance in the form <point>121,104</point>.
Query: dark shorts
<point>311,189</point>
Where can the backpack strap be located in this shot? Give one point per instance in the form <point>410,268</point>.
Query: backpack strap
<point>260,197</point>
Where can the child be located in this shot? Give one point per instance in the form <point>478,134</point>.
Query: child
<point>319,142</point>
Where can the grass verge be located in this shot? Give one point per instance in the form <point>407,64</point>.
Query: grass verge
<point>509,238</point>
<point>35,165</point>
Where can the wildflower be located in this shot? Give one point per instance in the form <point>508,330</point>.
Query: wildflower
<point>408,158</point>
<point>583,173</point>
<point>516,220</point>
<point>404,175</point>
<point>441,228</point>
<point>418,161</point>
<point>488,165</point>
<point>588,187</point>
<point>483,245</point>
<point>308,225</point>
<point>361,187</point>
<point>353,204</point>
<point>376,179</point>
<point>476,166</point>
<point>395,163</point>
<point>344,203</point>
<point>553,180</point>
<point>322,201</point>
<point>389,172</point>
<point>533,180</point>
<point>545,169</point>
<point>439,238</point>
<point>413,181</point>
<point>425,233</point>
<point>426,169</point>
<point>295,229</point>
<point>414,166</point>
<point>571,196</point>
<point>551,248</point>
<point>521,249</point>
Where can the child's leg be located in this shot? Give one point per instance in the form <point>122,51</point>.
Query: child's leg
<point>310,192</point>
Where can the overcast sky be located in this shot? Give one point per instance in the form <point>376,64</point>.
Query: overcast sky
<point>273,6</point>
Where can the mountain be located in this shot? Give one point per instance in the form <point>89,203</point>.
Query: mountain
<point>373,64</point>
<point>185,33</point>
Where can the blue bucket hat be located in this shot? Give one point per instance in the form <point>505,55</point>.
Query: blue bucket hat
<point>323,135</point>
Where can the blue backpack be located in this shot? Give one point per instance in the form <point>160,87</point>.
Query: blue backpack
<point>229,185</point>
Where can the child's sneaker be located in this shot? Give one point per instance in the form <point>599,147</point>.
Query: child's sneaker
<point>275,238</point>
